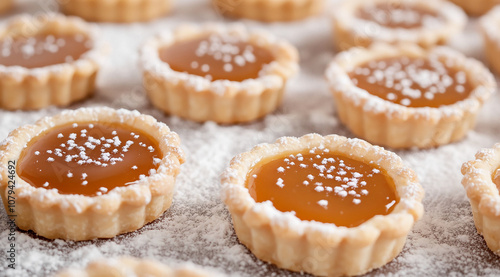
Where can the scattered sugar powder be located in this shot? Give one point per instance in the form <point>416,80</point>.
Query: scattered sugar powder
<point>198,226</point>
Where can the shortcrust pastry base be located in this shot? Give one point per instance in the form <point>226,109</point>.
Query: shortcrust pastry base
<point>269,10</point>
<point>483,194</point>
<point>5,5</point>
<point>120,11</point>
<point>313,247</point>
<point>350,31</point>
<point>476,8</point>
<point>222,101</point>
<point>489,27</point>
<point>384,123</point>
<point>58,85</point>
<point>130,267</point>
<point>77,217</point>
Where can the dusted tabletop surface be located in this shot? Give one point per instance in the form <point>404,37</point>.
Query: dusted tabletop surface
<point>198,227</point>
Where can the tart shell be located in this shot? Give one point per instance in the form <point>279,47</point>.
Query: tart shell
<point>351,31</point>
<point>5,5</point>
<point>313,247</point>
<point>269,10</point>
<point>483,194</point>
<point>119,11</point>
<point>58,85</point>
<point>77,217</point>
<point>198,99</point>
<point>384,123</point>
<point>130,267</point>
<point>489,28</point>
<point>476,8</point>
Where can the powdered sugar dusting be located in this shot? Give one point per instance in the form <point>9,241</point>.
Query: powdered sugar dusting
<point>198,227</point>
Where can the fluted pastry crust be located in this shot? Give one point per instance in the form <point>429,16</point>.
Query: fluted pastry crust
<point>488,25</point>
<point>5,5</point>
<point>133,267</point>
<point>477,7</point>
<point>351,31</point>
<point>60,84</point>
<point>77,217</point>
<point>198,99</point>
<point>120,11</point>
<point>483,194</point>
<point>385,123</point>
<point>313,247</point>
<point>269,10</point>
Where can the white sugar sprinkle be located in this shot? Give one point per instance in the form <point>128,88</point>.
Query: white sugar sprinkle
<point>279,183</point>
<point>323,203</point>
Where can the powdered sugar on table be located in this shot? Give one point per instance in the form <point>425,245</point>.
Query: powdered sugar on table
<point>198,227</point>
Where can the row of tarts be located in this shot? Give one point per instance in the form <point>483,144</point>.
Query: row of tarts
<point>97,173</point>
<point>263,10</point>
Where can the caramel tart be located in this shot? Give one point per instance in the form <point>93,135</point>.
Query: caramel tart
<point>45,61</point>
<point>328,206</point>
<point>134,267</point>
<point>477,7</point>
<point>89,173</point>
<point>424,22</point>
<point>489,28</point>
<point>482,183</point>
<point>120,11</point>
<point>6,5</point>
<point>404,96</point>
<point>269,10</point>
<point>217,73</point>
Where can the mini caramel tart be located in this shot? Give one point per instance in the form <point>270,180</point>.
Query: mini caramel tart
<point>328,206</point>
<point>477,7</point>
<point>482,182</point>
<point>488,25</point>
<point>404,96</point>
<point>6,5</point>
<point>425,22</point>
<point>217,73</point>
<point>89,173</point>
<point>134,267</point>
<point>119,11</point>
<point>45,61</point>
<point>269,10</point>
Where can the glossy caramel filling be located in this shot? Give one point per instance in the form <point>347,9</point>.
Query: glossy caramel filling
<point>399,15</point>
<point>413,82</point>
<point>42,50</point>
<point>88,158</point>
<point>217,58</point>
<point>323,186</point>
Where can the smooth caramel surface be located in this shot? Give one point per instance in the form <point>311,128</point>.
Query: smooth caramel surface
<point>217,58</point>
<point>399,15</point>
<point>323,186</point>
<point>88,158</point>
<point>42,50</point>
<point>413,82</point>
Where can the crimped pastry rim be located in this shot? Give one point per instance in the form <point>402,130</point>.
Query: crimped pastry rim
<point>455,20</point>
<point>489,22</point>
<point>52,22</point>
<point>137,194</point>
<point>398,222</point>
<point>272,76</point>
<point>128,265</point>
<point>478,183</point>
<point>339,81</point>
